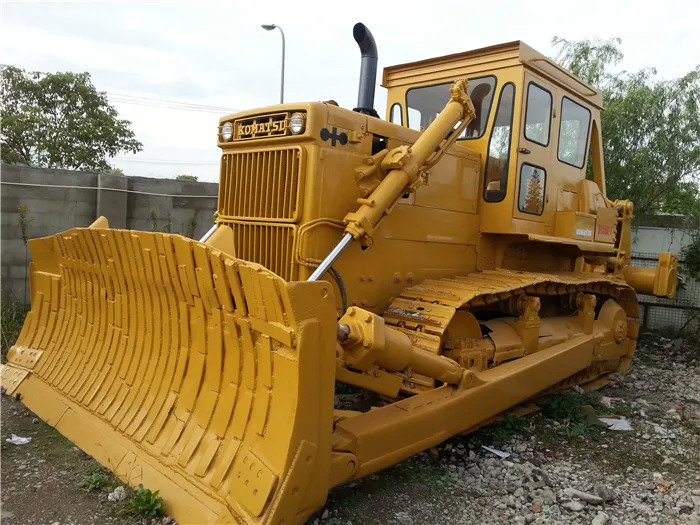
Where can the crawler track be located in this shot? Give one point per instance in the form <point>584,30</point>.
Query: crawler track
<point>424,311</point>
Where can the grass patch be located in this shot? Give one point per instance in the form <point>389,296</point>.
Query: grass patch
<point>649,460</point>
<point>97,479</point>
<point>405,473</point>
<point>504,429</point>
<point>565,406</point>
<point>580,428</point>
<point>692,341</point>
<point>50,445</point>
<point>568,409</point>
<point>692,426</point>
<point>144,502</point>
<point>12,316</point>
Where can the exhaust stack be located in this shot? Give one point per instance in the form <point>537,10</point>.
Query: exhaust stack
<point>368,69</point>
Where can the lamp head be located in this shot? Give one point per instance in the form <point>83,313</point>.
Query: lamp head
<point>268,27</point>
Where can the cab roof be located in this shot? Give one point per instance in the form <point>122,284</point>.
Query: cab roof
<point>488,59</point>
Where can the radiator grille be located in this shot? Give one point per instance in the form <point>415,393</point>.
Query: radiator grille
<point>266,244</point>
<point>261,185</point>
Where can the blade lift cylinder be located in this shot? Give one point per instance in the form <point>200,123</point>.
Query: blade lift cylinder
<point>403,166</point>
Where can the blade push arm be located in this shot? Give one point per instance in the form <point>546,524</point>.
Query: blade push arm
<point>404,166</point>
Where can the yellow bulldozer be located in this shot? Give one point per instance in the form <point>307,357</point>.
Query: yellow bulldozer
<point>456,259</point>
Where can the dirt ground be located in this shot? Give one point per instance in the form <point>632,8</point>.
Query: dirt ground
<point>41,480</point>
<point>648,475</point>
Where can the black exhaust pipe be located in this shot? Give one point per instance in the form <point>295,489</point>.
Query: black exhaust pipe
<point>368,69</point>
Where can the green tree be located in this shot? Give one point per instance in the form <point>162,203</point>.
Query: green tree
<point>59,120</point>
<point>191,178</point>
<point>651,128</point>
<point>534,193</point>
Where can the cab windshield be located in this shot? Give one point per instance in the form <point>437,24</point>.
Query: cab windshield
<point>426,102</point>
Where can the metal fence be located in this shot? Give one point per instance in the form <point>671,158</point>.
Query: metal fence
<point>680,313</point>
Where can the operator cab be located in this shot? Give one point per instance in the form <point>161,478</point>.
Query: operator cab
<point>537,128</point>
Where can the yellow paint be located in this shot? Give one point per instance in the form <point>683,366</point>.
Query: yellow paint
<point>207,370</point>
<point>176,421</point>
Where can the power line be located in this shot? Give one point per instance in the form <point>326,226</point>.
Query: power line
<point>97,188</point>
<point>168,104</point>
<point>166,161</point>
<point>115,101</point>
<point>165,106</point>
<point>166,101</point>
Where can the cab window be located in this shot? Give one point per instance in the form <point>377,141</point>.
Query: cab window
<point>496,171</point>
<point>573,133</point>
<point>395,114</point>
<point>538,114</point>
<point>426,102</point>
<point>532,184</point>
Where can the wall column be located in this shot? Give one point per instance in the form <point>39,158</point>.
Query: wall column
<point>112,204</point>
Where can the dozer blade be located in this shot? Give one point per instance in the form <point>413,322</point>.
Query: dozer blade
<point>182,368</point>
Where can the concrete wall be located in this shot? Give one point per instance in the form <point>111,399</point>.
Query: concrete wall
<point>53,207</point>
<point>659,313</point>
<point>650,239</point>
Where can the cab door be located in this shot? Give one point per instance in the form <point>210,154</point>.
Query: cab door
<point>534,155</point>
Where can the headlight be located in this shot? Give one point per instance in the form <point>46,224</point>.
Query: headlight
<point>296,123</point>
<point>227,131</point>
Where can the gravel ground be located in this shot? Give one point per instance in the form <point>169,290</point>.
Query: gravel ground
<point>561,469</point>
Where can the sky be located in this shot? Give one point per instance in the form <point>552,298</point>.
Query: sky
<point>212,58</point>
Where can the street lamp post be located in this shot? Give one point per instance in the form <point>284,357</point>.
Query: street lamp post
<point>270,27</point>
